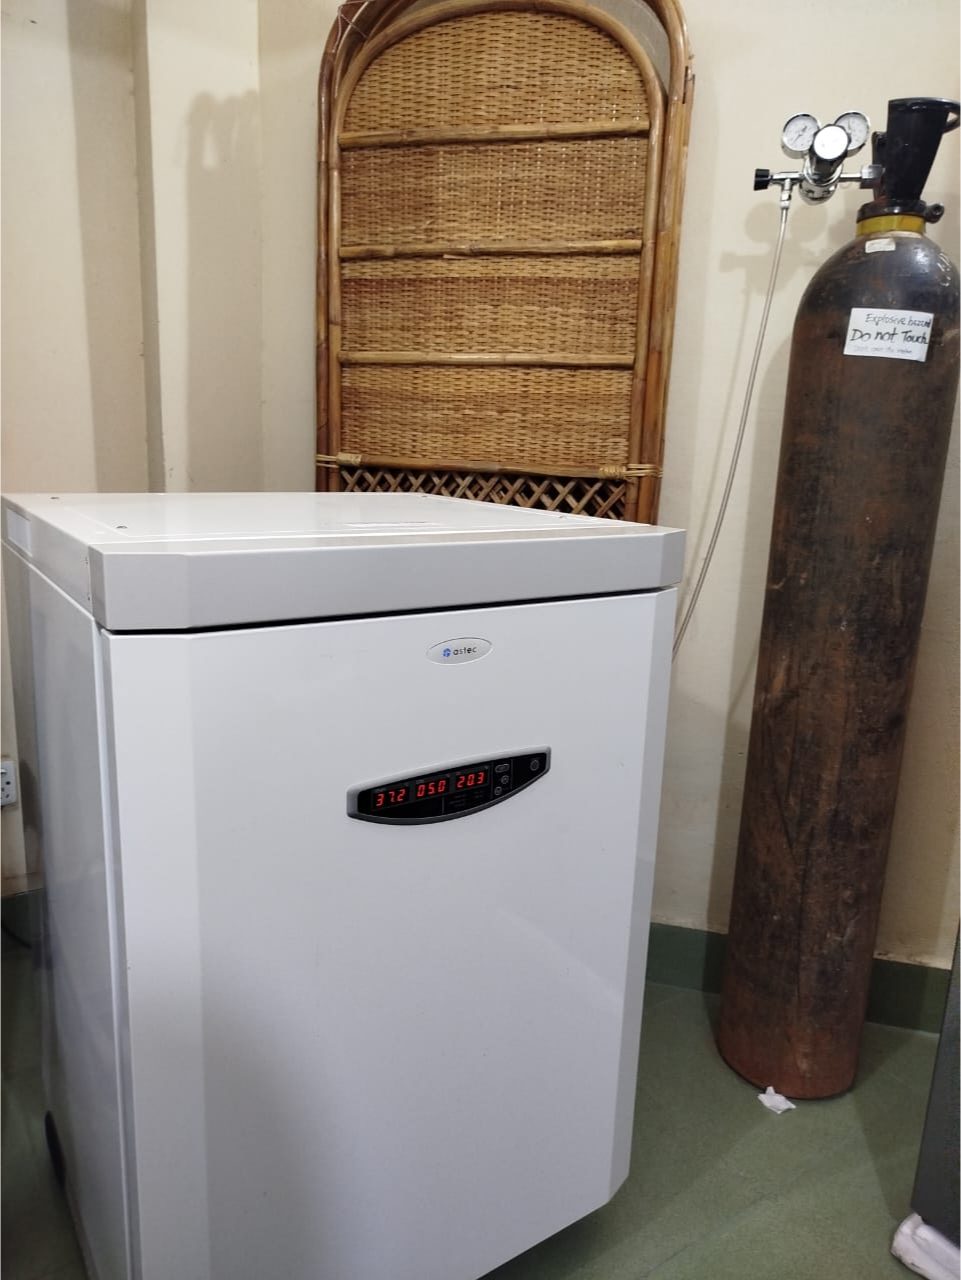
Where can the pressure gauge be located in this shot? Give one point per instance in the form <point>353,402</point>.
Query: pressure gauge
<point>798,134</point>
<point>858,128</point>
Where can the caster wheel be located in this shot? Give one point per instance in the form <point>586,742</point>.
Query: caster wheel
<point>55,1149</point>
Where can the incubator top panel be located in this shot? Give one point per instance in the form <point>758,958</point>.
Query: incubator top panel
<point>171,562</point>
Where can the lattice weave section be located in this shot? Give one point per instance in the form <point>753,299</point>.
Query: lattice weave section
<point>499,68</point>
<point>575,496</point>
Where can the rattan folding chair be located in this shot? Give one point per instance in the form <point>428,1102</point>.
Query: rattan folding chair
<point>500,187</point>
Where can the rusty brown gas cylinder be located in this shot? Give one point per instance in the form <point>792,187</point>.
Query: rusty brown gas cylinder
<point>866,430</point>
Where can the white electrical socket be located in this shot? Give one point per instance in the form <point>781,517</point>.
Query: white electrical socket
<point>8,783</point>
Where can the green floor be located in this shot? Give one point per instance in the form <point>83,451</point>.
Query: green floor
<point>721,1189</point>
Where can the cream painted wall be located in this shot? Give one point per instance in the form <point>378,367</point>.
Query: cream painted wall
<point>72,388</point>
<point>756,65</point>
<point>216,254</point>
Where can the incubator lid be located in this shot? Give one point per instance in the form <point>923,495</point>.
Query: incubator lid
<point>175,562</point>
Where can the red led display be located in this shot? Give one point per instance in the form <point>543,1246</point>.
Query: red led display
<point>429,790</point>
<point>467,780</point>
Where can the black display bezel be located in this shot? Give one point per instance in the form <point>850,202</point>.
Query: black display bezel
<point>403,815</point>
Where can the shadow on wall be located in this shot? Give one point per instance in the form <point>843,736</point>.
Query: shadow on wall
<point>208,409</point>
<point>100,69</point>
<point>223,446</point>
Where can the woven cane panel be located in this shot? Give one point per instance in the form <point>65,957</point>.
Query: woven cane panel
<point>499,68</point>
<point>537,306</point>
<point>498,192</point>
<point>580,417</point>
<point>576,496</point>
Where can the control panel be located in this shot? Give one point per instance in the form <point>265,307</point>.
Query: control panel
<point>451,792</point>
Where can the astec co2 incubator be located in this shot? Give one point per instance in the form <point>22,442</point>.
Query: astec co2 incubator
<point>347,807</point>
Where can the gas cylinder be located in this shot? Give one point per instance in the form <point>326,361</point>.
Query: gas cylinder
<point>870,397</point>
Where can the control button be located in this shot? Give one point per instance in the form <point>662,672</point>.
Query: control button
<point>535,765</point>
<point>504,767</point>
<point>498,791</point>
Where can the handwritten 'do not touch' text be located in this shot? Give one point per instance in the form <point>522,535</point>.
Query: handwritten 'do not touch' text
<point>897,335</point>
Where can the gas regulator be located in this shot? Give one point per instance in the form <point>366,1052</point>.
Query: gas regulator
<point>823,149</point>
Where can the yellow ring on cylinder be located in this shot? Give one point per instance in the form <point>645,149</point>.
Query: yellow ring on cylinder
<point>891,222</point>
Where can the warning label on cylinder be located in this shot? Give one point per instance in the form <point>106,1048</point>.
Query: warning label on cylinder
<point>896,335</point>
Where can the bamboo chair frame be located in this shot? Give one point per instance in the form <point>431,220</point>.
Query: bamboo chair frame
<point>623,486</point>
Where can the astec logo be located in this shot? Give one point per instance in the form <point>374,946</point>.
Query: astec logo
<point>463,649</point>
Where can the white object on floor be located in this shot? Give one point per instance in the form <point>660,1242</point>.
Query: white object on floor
<point>775,1102</point>
<point>926,1250</point>
<point>349,808</point>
